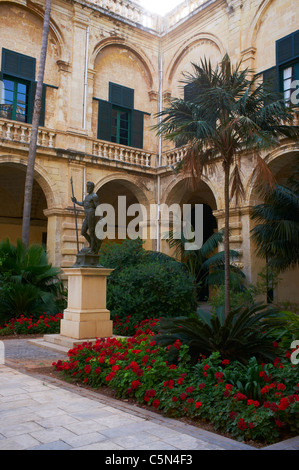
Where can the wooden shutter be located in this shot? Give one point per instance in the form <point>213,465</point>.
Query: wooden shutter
<point>104,120</point>
<point>32,92</point>
<point>18,65</point>
<point>137,118</point>
<point>284,50</point>
<point>270,79</point>
<point>296,44</point>
<point>287,48</point>
<point>121,95</point>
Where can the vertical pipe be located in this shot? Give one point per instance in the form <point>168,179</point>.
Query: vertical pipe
<point>159,144</point>
<point>85,79</point>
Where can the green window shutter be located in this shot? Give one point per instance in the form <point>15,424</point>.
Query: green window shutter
<point>43,106</point>
<point>104,120</point>
<point>121,95</point>
<point>284,50</point>
<point>18,65</point>
<point>270,79</point>
<point>137,118</point>
<point>32,92</point>
<point>296,44</point>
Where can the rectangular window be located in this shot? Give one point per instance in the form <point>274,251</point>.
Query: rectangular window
<point>19,86</point>
<point>281,77</point>
<point>118,121</point>
<point>14,99</point>
<point>120,126</point>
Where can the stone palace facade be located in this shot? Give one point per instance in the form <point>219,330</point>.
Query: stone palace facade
<point>111,66</point>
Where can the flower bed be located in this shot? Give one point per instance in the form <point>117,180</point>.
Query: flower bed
<point>30,325</point>
<point>254,402</point>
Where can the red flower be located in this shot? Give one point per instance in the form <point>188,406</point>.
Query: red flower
<point>279,423</point>
<point>156,403</point>
<point>183,396</point>
<point>201,386</point>
<point>242,424</point>
<point>281,387</point>
<point>198,404</point>
<point>87,369</point>
<point>225,362</point>
<point>233,415</point>
<point>284,404</point>
<point>174,399</point>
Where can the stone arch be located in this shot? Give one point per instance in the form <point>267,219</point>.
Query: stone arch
<point>12,183</point>
<point>109,189</point>
<point>139,189</point>
<point>120,42</point>
<point>54,28</point>
<point>186,47</point>
<point>175,190</point>
<point>255,23</point>
<point>278,159</point>
<point>281,162</point>
<point>40,175</point>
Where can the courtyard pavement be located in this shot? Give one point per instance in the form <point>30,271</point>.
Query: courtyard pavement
<point>41,412</point>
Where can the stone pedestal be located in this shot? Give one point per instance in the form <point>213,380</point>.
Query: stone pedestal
<point>86,316</point>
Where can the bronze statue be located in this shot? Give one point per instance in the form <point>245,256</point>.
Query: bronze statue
<point>90,203</point>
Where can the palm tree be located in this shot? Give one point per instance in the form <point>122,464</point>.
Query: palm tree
<point>204,264</point>
<point>34,129</point>
<point>230,114</point>
<point>277,231</point>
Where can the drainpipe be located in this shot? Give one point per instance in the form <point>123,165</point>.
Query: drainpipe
<point>85,79</point>
<point>160,105</point>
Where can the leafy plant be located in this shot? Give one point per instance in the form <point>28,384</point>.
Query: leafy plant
<point>204,263</point>
<point>146,284</point>
<point>277,231</point>
<point>247,331</point>
<point>28,283</point>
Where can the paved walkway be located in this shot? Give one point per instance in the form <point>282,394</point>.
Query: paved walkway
<point>43,413</point>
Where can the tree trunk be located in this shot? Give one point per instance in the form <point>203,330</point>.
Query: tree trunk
<point>34,130</point>
<point>226,240</point>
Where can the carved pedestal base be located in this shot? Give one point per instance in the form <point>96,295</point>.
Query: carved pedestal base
<point>86,316</point>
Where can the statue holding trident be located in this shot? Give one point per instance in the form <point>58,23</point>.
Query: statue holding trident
<point>89,204</point>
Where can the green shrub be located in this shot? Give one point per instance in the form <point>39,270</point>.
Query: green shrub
<point>145,284</point>
<point>29,284</point>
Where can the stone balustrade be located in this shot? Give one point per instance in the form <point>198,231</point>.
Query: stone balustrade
<point>115,152</point>
<point>20,132</point>
<point>131,11</point>
<point>171,157</point>
<point>183,10</point>
<point>136,13</point>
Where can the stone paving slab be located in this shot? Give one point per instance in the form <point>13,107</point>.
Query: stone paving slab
<point>44,413</point>
<point>55,418</point>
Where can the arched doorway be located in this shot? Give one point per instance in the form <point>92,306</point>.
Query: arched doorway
<point>184,194</point>
<point>12,183</point>
<point>125,197</point>
<point>284,288</point>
